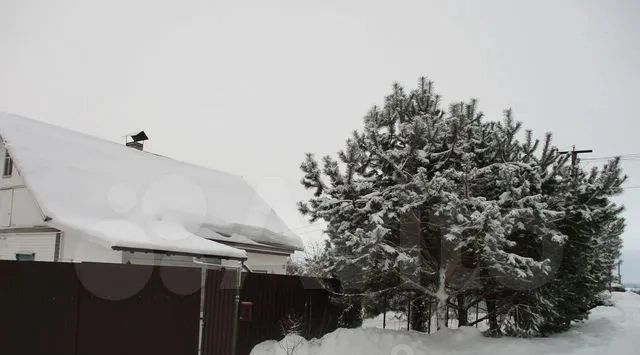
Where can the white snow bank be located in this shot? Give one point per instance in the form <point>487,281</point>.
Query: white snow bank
<point>83,180</point>
<point>610,330</point>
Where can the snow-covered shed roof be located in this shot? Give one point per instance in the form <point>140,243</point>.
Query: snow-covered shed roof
<point>125,198</point>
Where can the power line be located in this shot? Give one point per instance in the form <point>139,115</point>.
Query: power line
<point>632,156</point>
<point>311,231</point>
<point>310,225</point>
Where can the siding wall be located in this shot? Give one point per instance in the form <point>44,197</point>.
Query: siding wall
<point>269,263</point>
<point>42,244</point>
<point>17,206</point>
<point>15,179</point>
<point>6,200</point>
<point>76,248</point>
<point>24,212</point>
<point>18,209</point>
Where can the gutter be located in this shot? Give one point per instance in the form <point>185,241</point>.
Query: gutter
<point>166,252</point>
<point>262,248</point>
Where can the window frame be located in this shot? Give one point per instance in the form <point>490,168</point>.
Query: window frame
<point>25,256</point>
<point>8,165</point>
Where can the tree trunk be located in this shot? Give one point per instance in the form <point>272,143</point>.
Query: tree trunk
<point>493,317</point>
<point>462,310</point>
<point>441,313</point>
<point>442,297</point>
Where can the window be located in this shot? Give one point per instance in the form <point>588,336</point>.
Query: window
<point>25,256</point>
<point>8,164</point>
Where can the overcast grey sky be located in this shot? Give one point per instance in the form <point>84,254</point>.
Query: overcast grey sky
<point>249,86</point>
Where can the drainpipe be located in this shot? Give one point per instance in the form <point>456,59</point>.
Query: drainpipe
<point>236,310</point>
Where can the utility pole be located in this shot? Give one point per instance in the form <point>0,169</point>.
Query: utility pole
<point>574,157</point>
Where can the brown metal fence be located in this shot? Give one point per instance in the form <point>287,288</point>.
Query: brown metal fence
<point>95,309</point>
<point>38,308</point>
<point>160,318</point>
<point>270,306</point>
<point>219,312</point>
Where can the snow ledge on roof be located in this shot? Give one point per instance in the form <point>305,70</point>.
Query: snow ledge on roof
<point>123,197</point>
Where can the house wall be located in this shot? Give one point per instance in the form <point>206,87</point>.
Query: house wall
<point>77,248</point>
<point>269,263</point>
<point>17,206</point>
<point>257,262</point>
<point>41,244</point>
<point>19,210</point>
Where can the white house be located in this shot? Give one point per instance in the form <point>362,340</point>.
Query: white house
<point>68,196</point>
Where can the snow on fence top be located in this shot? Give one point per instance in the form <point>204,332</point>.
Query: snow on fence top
<point>98,187</point>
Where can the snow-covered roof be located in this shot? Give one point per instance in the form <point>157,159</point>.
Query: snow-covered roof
<point>127,198</point>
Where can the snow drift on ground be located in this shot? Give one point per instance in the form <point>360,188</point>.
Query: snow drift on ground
<point>610,330</point>
<point>90,184</point>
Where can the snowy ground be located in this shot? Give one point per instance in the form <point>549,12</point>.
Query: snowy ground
<point>610,330</point>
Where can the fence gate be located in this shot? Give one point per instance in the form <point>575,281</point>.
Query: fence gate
<point>219,311</point>
<point>269,305</point>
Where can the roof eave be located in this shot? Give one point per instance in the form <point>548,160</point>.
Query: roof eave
<point>267,248</point>
<point>180,253</point>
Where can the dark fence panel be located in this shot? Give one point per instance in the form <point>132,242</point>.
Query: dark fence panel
<point>219,311</point>
<point>125,315</point>
<point>277,300</point>
<point>281,304</point>
<point>38,308</point>
<point>94,309</point>
<point>323,312</point>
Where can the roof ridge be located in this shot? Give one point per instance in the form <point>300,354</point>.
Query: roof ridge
<point>134,151</point>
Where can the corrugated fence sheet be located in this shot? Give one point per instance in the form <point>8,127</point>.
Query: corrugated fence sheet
<point>105,309</point>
